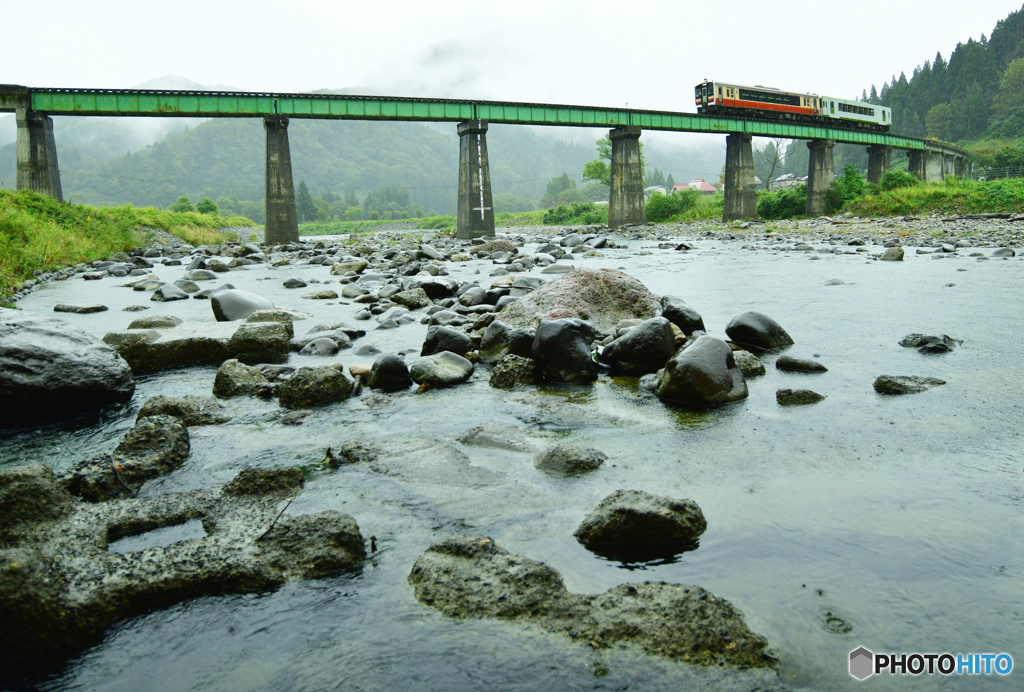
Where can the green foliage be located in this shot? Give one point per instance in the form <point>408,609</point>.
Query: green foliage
<point>668,207</point>
<point>895,178</point>
<point>782,204</point>
<point>949,197</point>
<point>509,203</point>
<point>353,213</point>
<point>599,171</point>
<point>443,222</point>
<point>304,205</point>
<point>557,191</point>
<point>843,189</point>
<point>206,206</point>
<point>576,213</point>
<point>182,204</point>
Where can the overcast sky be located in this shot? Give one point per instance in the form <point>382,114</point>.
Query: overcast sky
<point>599,53</point>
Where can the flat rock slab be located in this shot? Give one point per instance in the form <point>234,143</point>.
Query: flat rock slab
<point>905,384</point>
<point>79,309</point>
<point>797,397</point>
<point>791,364</point>
<point>469,576</point>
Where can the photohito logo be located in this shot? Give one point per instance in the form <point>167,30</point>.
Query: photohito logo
<point>864,664</point>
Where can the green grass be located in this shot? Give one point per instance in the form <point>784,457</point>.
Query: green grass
<point>948,197</point>
<point>358,227</point>
<point>39,234</point>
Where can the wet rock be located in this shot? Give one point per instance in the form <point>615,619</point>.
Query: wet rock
<point>155,322</point>
<point>496,436</point>
<point>282,316</point>
<point>440,338</point>
<point>237,379</point>
<point>49,369</point>
<point>79,309</point>
<point>436,288</point>
<point>797,397</point>
<point>259,342</point>
<point>341,268</point>
<point>389,373</point>
<point>561,350</point>
<point>569,460</point>
<point>513,371</point>
<point>905,384</point>
<point>235,304</point>
<point>340,338</point>
<point>499,340</point>
<point>1004,252</point>
<point>893,254</point>
<point>682,315</point>
<point>749,364</point>
<point>321,346</point>
<point>448,318</point>
<point>420,462</point>
<point>634,526</point>
<point>412,299</point>
<point>757,332</point>
<point>61,588</point>
<point>190,409</point>
<point>310,387</point>
<point>930,344</point>
<point>469,576</point>
<point>442,369</point>
<point>790,364</point>
<point>601,297</point>
<point>154,447</point>
<point>326,294</point>
<point>294,283</point>
<point>702,375</point>
<point>29,495</point>
<point>168,292</point>
<point>493,246</point>
<point>644,349</point>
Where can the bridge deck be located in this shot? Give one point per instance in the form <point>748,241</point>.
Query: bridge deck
<point>209,104</point>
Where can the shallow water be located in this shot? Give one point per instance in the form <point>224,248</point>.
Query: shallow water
<point>893,523</point>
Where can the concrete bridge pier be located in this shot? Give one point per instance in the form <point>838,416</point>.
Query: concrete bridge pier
<point>949,166</point>
<point>282,222</point>
<point>879,161</point>
<point>820,174</point>
<point>933,168</point>
<point>915,163</point>
<point>37,154</point>
<point>740,186</point>
<point>626,197</point>
<point>476,208</point>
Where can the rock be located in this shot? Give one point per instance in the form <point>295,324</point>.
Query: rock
<point>168,292</point>
<point>893,254</point>
<point>749,364</point>
<point>790,364</point>
<point>154,447</point>
<point>254,548</point>
<point>440,338</point>
<point>835,282</point>
<point>189,343</point>
<point>321,346</point>
<point>412,299</point>
<point>470,576</point>
<point>259,342</point>
<point>905,384</point>
<point>644,349</point>
<point>234,378</point>
<point>682,315</point>
<point>79,309</point>
<point>326,294</point>
<point>389,373</point>
<point>235,304</point>
<point>1004,252</point>
<point>561,350</point>
<point>341,268</point>
<point>431,253</point>
<point>49,369</point>
<point>569,460</point>
<point>512,371</point>
<point>702,375</point>
<point>634,526</point>
<point>797,397</point>
<point>496,436</point>
<point>757,332</point>
<point>930,343</point>
<point>436,288</point>
<point>447,318</point>
<point>441,369</point>
<point>29,495</point>
<point>191,410</point>
<point>601,297</point>
<point>495,246</point>
<point>282,316</point>
<point>155,322</point>
<point>294,283</point>
<point>310,387</point>
<point>340,338</point>
<point>499,340</point>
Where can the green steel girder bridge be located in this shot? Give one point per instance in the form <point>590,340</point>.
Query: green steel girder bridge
<point>37,163</point>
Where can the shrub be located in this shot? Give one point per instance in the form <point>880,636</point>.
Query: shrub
<point>663,207</point>
<point>579,212</point>
<point>206,206</point>
<point>844,189</point>
<point>782,204</point>
<point>183,204</point>
<point>895,178</point>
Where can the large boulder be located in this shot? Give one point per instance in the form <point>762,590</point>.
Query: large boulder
<point>643,349</point>
<point>389,373</point>
<point>676,311</point>
<point>702,375</point>
<point>561,350</point>
<point>905,384</point>
<point>235,378</point>
<point>500,340</point>
<point>441,338</point>
<point>602,297</point>
<point>470,576</point>
<point>758,332</point>
<point>49,369</point>
<point>569,460</point>
<point>442,369</point>
<point>155,446</point>
<point>190,409</point>
<point>236,304</point>
<point>29,495</point>
<point>260,342</point>
<point>512,371</point>
<point>634,526</point>
<point>320,386</point>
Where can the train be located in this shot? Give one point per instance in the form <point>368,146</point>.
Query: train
<point>719,98</point>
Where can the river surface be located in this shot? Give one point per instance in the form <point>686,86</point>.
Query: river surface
<point>893,523</point>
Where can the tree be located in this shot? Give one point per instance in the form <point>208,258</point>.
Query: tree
<point>556,191</point>
<point>353,213</point>
<point>206,206</point>
<point>937,120</point>
<point>768,160</point>
<point>1011,88</point>
<point>599,171</point>
<point>670,183</point>
<point>183,204</point>
<point>304,204</point>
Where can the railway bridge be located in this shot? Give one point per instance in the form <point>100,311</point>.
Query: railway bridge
<point>37,153</point>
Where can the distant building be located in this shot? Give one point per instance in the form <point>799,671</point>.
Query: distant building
<point>699,184</point>
<point>784,182</point>
<point>648,191</point>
